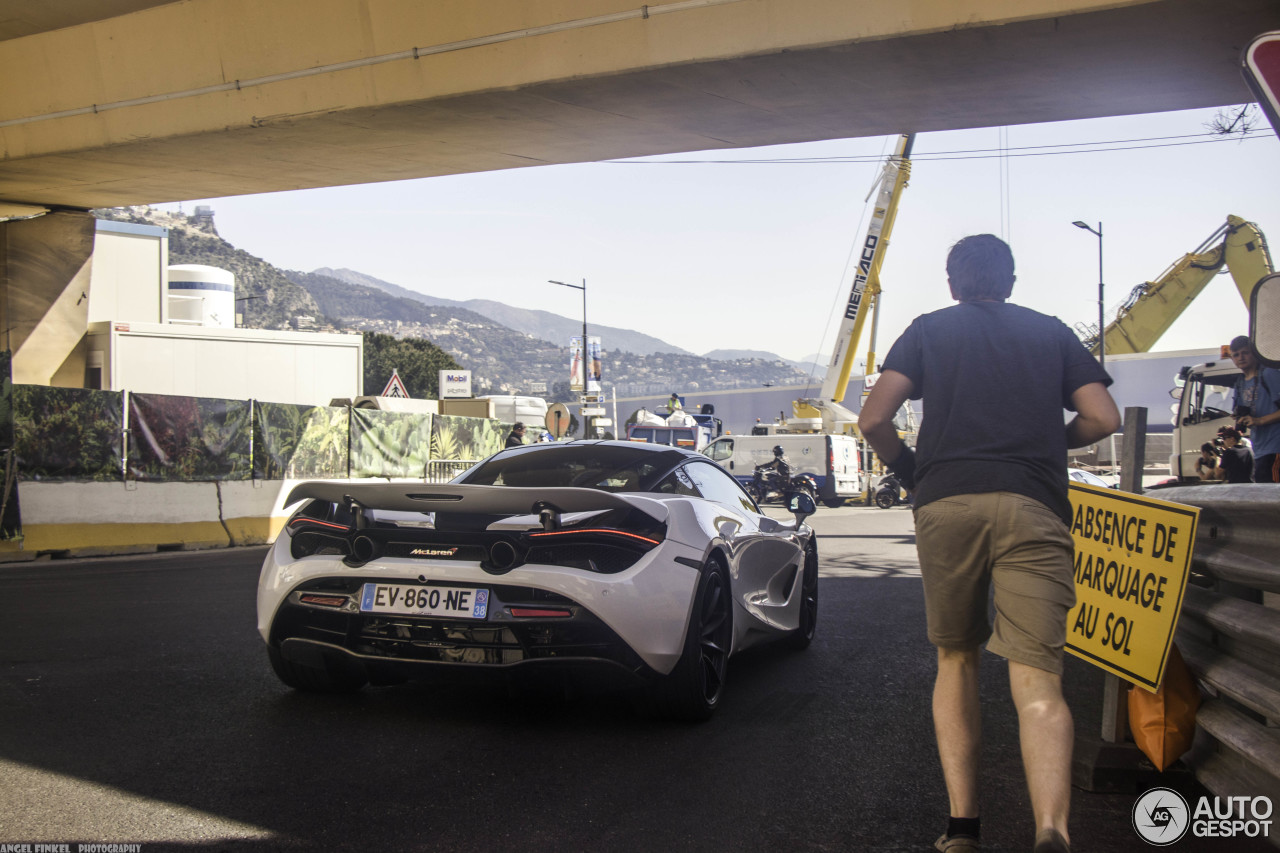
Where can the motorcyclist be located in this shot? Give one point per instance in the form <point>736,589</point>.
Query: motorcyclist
<point>779,467</point>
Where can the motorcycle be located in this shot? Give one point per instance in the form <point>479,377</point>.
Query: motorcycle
<point>767,486</point>
<point>889,493</point>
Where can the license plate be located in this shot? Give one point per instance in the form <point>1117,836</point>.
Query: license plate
<point>404,600</point>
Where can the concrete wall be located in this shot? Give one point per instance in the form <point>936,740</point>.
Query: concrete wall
<point>45,269</point>
<point>90,519</point>
<point>129,273</point>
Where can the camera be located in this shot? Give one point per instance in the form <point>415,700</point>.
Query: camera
<point>1241,411</point>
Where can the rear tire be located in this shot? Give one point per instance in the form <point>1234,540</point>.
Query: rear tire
<point>693,689</point>
<point>310,679</point>
<point>803,635</point>
<point>886,499</point>
<point>833,503</point>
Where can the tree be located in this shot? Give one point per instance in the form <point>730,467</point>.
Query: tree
<point>418,362</point>
<point>561,393</point>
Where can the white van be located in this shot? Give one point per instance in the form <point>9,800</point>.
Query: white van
<point>508,408</point>
<point>838,462</point>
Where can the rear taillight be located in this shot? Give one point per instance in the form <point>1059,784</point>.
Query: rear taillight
<point>302,521</point>
<point>581,533</point>
<point>323,600</point>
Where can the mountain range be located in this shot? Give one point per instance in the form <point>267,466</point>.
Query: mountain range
<point>508,349</point>
<point>539,324</point>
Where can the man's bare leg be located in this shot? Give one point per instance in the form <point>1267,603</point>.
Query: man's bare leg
<point>957,722</point>
<point>1047,735</point>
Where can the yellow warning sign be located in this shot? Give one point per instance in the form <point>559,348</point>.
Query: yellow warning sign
<point>1132,557</point>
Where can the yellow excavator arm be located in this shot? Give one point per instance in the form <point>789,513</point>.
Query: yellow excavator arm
<point>1153,306</point>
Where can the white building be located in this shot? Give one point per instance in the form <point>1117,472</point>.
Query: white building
<point>152,328</point>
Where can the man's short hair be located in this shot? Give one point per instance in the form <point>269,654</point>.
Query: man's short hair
<point>980,267</point>
<point>518,426</point>
<point>1240,342</point>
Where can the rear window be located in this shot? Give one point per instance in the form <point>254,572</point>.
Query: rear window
<point>610,468</point>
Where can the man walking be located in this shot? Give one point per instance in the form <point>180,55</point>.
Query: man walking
<point>991,511</point>
<point>1257,403</point>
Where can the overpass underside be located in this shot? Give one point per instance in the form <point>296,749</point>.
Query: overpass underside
<point>208,98</point>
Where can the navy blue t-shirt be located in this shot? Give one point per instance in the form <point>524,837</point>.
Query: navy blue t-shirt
<point>995,379</point>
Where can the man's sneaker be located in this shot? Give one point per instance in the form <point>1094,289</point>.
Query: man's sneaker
<point>1051,841</point>
<point>957,844</point>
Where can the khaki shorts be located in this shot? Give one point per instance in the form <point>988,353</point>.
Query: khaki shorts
<point>970,544</point>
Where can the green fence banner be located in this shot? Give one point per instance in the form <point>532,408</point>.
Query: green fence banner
<point>389,444</point>
<point>66,433</point>
<point>10,519</point>
<point>190,439</point>
<point>300,442</point>
<point>457,437</point>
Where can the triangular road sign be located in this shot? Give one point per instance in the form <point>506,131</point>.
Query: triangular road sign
<point>395,388</point>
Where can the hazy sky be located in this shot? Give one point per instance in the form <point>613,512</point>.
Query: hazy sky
<point>756,255</point>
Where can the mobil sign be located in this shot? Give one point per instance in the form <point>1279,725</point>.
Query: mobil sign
<point>1262,72</point>
<point>455,384</point>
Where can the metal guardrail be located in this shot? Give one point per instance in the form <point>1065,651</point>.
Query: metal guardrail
<point>1229,635</point>
<point>444,470</point>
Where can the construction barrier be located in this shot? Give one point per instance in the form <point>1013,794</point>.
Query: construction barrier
<point>1229,634</point>
<point>107,472</point>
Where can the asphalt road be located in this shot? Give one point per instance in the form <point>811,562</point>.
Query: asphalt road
<point>137,705</point>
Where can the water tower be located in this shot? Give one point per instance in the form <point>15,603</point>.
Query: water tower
<point>201,295</point>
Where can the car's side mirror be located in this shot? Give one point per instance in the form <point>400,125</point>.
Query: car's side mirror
<point>801,506</point>
<point>1264,320</point>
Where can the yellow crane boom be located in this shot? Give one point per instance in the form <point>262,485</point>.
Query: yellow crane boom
<point>1153,306</point>
<point>864,295</point>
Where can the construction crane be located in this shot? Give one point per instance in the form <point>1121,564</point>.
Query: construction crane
<point>825,409</point>
<point>1153,306</point>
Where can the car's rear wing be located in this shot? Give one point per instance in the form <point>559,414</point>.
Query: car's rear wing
<point>487,500</point>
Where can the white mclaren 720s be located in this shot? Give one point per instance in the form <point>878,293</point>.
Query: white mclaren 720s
<point>634,563</point>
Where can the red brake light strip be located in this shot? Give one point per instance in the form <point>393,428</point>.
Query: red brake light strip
<point>575,531</point>
<point>305,520</point>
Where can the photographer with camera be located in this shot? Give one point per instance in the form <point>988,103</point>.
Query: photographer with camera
<point>1207,463</point>
<point>1257,409</point>
<point>1235,465</point>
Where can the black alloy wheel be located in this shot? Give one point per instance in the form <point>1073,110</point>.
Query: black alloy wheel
<point>694,688</point>
<point>803,635</point>
<point>886,499</point>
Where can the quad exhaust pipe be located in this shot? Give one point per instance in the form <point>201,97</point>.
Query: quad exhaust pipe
<point>502,556</point>
<point>363,549</point>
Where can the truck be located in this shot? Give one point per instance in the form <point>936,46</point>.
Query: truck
<point>839,463</point>
<point>1203,407</point>
<point>510,408</point>
<point>1204,398</point>
<point>676,428</point>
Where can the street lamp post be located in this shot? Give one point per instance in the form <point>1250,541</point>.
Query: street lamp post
<point>586,422</point>
<point>1102,324</point>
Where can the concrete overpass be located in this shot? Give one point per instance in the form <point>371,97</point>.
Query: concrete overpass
<point>113,102</point>
<point>110,102</point>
